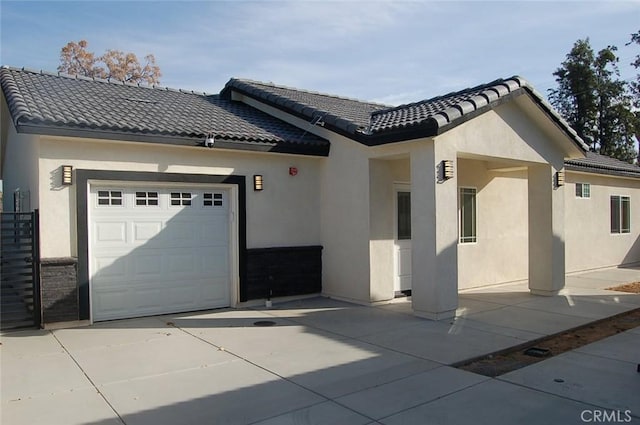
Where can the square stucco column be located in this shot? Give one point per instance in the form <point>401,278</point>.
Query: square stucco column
<point>546,232</point>
<point>434,236</point>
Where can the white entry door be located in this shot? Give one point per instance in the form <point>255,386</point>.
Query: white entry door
<point>156,250</point>
<point>402,245</point>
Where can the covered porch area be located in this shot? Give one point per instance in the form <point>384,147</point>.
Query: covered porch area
<point>462,221</point>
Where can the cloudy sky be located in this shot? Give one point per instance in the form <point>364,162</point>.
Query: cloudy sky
<point>387,51</point>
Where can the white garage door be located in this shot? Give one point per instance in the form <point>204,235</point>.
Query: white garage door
<point>156,250</point>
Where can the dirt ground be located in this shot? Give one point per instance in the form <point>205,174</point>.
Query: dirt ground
<point>501,363</point>
<point>633,287</point>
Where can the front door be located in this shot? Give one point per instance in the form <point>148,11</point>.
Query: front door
<point>402,242</point>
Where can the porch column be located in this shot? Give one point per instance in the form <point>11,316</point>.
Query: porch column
<point>434,236</point>
<point>546,232</point>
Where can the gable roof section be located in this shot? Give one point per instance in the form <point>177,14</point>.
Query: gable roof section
<point>54,104</point>
<point>601,164</point>
<point>373,124</point>
<point>350,116</point>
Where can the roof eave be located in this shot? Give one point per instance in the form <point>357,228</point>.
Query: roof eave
<point>602,171</point>
<point>221,142</point>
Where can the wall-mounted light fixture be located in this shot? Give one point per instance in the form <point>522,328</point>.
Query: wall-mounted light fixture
<point>559,178</point>
<point>447,169</point>
<point>257,182</point>
<point>67,175</point>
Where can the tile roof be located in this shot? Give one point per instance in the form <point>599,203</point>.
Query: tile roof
<point>48,103</point>
<point>372,123</point>
<point>350,115</point>
<point>601,164</point>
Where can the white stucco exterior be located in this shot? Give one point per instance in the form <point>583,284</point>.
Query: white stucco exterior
<point>528,227</point>
<point>285,213</point>
<point>20,168</point>
<point>590,243</point>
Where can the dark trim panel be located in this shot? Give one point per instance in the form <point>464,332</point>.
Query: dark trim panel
<point>83,176</point>
<point>282,271</point>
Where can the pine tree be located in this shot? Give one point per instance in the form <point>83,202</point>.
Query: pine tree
<point>596,102</point>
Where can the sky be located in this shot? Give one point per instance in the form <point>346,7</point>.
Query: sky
<point>391,52</point>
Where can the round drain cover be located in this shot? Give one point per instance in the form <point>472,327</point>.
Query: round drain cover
<point>264,323</point>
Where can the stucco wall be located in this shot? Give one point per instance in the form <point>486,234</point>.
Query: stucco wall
<point>285,213</point>
<point>589,241</point>
<point>20,168</point>
<point>344,210</point>
<point>501,251</point>
<point>345,221</point>
<point>384,176</point>
<point>505,132</point>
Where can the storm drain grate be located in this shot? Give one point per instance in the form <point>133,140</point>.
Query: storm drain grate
<point>264,323</point>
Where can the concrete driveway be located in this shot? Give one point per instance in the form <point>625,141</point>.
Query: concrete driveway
<point>328,362</point>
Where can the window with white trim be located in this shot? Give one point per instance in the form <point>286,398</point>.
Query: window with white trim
<point>147,199</point>
<point>583,190</point>
<point>109,197</point>
<point>468,232</point>
<point>620,214</point>
<point>404,215</point>
<point>181,198</point>
<point>212,199</point>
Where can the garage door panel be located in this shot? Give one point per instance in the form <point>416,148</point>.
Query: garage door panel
<point>110,233</point>
<point>149,265</point>
<point>180,233</point>
<point>183,264</point>
<point>113,267</point>
<point>210,233</point>
<point>214,264</point>
<point>146,232</point>
<point>113,302</point>
<point>155,258</point>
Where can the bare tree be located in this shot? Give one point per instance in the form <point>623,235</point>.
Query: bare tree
<point>115,64</point>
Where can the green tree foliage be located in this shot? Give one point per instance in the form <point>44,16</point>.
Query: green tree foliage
<point>596,102</point>
<point>75,59</point>
<point>635,85</point>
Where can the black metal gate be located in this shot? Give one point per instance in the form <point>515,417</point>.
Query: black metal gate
<point>20,272</point>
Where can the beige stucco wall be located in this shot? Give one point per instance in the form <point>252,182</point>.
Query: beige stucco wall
<point>20,167</point>
<point>384,176</point>
<point>589,241</point>
<point>344,210</point>
<point>357,205</point>
<point>508,137</point>
<point>501,251</point>
<point>345,221</point>
<point>285,213</point>
<point>504,133</point>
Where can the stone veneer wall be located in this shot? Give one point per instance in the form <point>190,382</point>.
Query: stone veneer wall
<point>59,289</point>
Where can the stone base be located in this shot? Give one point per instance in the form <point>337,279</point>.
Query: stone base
<point>59,289</point>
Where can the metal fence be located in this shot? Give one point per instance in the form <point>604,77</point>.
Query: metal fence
<point>20,270</point>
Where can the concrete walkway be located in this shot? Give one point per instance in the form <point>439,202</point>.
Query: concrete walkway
<point>328,362</point>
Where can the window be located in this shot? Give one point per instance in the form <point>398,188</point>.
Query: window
<point>212,200</point>
<point>583,190</point>
<point>147,198</point>
<point>109,197</point>
<point>620,214</point>
<point>467,215</point>
<point>181,198</point>
<point>404,215</point>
